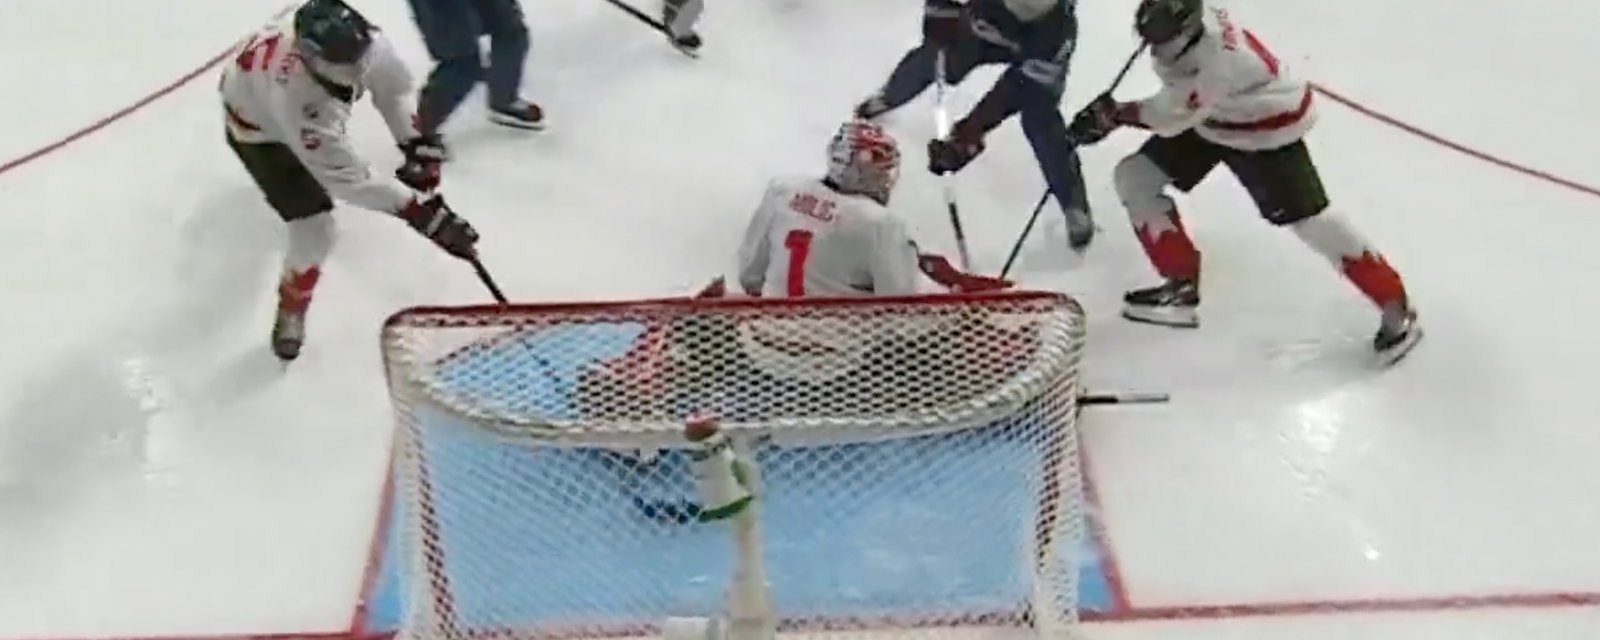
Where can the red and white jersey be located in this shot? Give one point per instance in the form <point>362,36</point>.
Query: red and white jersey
<point>807,239</point>
<point>271,95</point>
<point>1229,88</point>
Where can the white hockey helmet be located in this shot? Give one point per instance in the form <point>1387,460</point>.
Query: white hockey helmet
<point>864,159</point>
<point>1030,10</point>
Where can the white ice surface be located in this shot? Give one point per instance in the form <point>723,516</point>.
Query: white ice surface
<point>160,475</point>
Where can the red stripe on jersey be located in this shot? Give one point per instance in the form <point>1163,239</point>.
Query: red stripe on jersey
<point>1285,119</point>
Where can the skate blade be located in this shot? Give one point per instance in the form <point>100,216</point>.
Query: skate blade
<point>515,123</point>
<point>1394,354</point>
<point>1175,318</point>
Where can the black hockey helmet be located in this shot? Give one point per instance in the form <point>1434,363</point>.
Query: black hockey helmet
<point>1159,21</point>
<point>332,31</point>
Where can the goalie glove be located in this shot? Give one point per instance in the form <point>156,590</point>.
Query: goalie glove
<point>941,271</point>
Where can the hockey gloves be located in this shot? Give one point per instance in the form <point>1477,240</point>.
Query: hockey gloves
<point>423,156</point>
<point>433,218</point>
<point>1099,118</point>
<point>941,271</point>
<point>942,23</point>
<point>952,154</point>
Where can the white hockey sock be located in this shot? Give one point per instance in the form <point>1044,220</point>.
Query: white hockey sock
<point>1330,235</point>
<point>310,240</point>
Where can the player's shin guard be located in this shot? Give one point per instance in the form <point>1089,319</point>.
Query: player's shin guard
<point>1365,267</point>
<point>310,239</point>
<point>1173,255</point>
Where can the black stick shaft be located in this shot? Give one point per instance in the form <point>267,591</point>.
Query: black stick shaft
<point>1016,248</point>
<point>488,281</point>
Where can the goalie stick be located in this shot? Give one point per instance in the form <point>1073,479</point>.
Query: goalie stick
<point>677,24</point>
<point>941,123</point>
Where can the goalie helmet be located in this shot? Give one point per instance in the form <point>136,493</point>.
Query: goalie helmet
<point>1160,21</point>
<point>864,159</point>
<point>330,30</point>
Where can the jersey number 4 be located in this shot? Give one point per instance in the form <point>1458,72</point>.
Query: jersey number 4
<point>798,242</point>
<point>257,52</point>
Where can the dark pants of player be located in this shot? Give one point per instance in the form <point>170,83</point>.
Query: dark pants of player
<point>1040,110</point>
<point>451,29</point>
<point>288,186</point>
<point>1283,182</point>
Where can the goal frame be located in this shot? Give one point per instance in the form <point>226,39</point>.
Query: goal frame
<point>1058,463</point>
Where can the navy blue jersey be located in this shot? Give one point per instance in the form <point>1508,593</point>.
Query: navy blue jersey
<point>1037,53</point>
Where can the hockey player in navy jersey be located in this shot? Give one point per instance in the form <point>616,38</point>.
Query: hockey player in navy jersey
<point>1035,39</point>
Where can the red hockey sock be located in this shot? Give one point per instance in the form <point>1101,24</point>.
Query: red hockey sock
<point>1167,244</point>
<point>1375,278</point>
<point>1330,235</point>
<point>294,289</point>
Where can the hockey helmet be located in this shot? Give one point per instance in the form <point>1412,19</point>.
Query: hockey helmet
<point>1159,21</point>
<point>864,159</point>
<point>331,30</point>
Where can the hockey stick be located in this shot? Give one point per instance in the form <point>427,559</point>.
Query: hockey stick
<point>674,511</point>
<point>941,123</point>
<point>1123,398</point>
<point>680,25</point>
<point>487,280</point>
<point>1016,248</point>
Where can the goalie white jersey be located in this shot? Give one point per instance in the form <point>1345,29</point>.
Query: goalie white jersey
<point>807,239</point>
<point>272,95</point>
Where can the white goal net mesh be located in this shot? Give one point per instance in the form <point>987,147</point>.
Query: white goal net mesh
<point>917,460</point>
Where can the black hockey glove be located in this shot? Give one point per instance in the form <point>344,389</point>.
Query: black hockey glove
<point>433,218</point>
<point>942,23</point>
<point>953,153</point>
<point>424,155</point>
<point>1097,120</point>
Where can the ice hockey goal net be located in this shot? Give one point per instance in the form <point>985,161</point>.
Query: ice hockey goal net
<point>915,462</point>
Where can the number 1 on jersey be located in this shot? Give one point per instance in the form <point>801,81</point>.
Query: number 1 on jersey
<point>798,242</point>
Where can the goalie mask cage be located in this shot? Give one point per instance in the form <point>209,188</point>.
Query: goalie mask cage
<point>917,464</point>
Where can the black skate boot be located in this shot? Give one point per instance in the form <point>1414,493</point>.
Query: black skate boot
<point>689,43</point>
<point>1397,334</point>
<point>520,114</point>
<point>683,38</point>
<point>1080,228</point>
<point>872,107</point>
<point>288,334</point>
<point>1174,304</point>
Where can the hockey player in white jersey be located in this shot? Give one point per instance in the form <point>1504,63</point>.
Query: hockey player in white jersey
<point>810,237</point>
<point>1227,100</point>
<point>286,97</point>
<point>835,236</point>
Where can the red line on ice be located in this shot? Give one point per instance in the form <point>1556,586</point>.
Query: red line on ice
<point>114,117</point>
<point>1457,147</point>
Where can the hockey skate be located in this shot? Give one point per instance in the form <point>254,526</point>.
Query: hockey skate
<point>1080,228</point>
<point>520,114</point>
<point>678,17</point>
<point>1174,304</point>
<point>872,107</point>
<point>288,334</point>
<point>1397,334</point>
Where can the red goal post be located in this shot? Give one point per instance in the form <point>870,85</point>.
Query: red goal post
<point>916,456</point>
